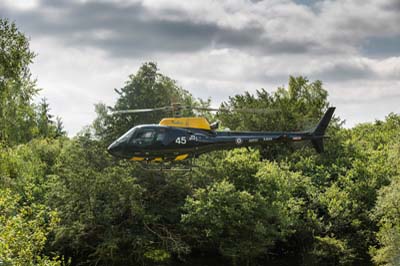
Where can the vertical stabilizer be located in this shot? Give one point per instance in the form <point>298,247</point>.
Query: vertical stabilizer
<point>319,131</point>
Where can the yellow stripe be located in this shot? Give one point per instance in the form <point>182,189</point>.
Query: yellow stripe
<point>137,158</point>
<point>181,157</point>
<point>157,159</point>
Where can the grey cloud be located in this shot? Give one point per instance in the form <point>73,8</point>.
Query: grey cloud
<point>132,31</point>
<point>345,72</point>
<point>382,46</point>
<point>371,18</point>
<point>395,98</point>
<point>136,31</point>
<point>338,72</point>
<point>307,2</point>
<point>392,5</point>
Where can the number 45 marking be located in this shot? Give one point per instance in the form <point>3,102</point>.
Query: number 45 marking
<point>180,140</point>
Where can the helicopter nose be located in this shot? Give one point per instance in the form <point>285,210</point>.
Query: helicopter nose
<point>114,149</point>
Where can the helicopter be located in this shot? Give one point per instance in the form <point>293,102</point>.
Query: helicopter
<point>177,139</point>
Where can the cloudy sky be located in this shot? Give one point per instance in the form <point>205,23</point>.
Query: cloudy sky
<point>213,48</point>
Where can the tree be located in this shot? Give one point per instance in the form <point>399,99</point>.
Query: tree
<point>60,131</point>
<point>148,88</point>
<point>299,107</point>
<point>17,114</point>
<point>387,213</point>
<point>24,232</point>
<point>246,210</point>
<point>47,127</point>
<point>111,212</point>
<point>26,222</point>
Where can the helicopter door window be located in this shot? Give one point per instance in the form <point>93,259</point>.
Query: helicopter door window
<point>160,135</point>
<point>147,135</point>
<point>144,138</point>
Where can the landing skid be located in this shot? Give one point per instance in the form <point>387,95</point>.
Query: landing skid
<point>186,166</point>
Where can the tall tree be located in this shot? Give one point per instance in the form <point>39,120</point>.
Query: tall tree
<point>297,107</point>
<point>147,88</point>
<point>17,114</point>
<point>45,123</point>
<point>46,126</point>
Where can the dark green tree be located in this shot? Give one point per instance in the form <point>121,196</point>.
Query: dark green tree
<point>47,127</point>
<point>148,88</point>
<point>296,108</point>
<point>17,89</point>
<point>60,131</point>
<point>24,231</point>
<point>387,212</point>
<point>26,221</point>
<point>246,210</point>
<point>112,212</point>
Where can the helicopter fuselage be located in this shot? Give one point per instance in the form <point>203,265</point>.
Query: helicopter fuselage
<point>155,143</point>
<point>190,137</point>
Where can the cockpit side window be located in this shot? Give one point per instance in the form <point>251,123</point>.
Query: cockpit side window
<point>144,137</point>
<point>161,134</point>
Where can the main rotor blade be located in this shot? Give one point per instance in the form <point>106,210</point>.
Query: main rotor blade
<point>240,110</point>
<point>133,111</point>
<point>179,107</point>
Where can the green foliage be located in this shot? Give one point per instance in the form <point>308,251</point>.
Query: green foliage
<point>387,212</point>
<point>23,232</point>
<point>112,212</point>
<point>20,119</point>
<point>47,127</point>
<point>98,203</point>
<point>17,114</point>
<point>26,223</point>
<point>296,108</point>
<point>26,168</point>
<point>330,251</point>
<point>244,214</point>
<point>158,255</point>
<point>228,219</point>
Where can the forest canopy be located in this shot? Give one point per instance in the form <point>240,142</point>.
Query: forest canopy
<point>66,201</point>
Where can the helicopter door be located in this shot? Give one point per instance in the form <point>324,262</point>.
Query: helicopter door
<point>161,136</point>
<point>144,138</point>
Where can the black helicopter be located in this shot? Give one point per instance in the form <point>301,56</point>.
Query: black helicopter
<point>181,138</point>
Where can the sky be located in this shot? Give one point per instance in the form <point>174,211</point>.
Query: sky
<point>85,49</point>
